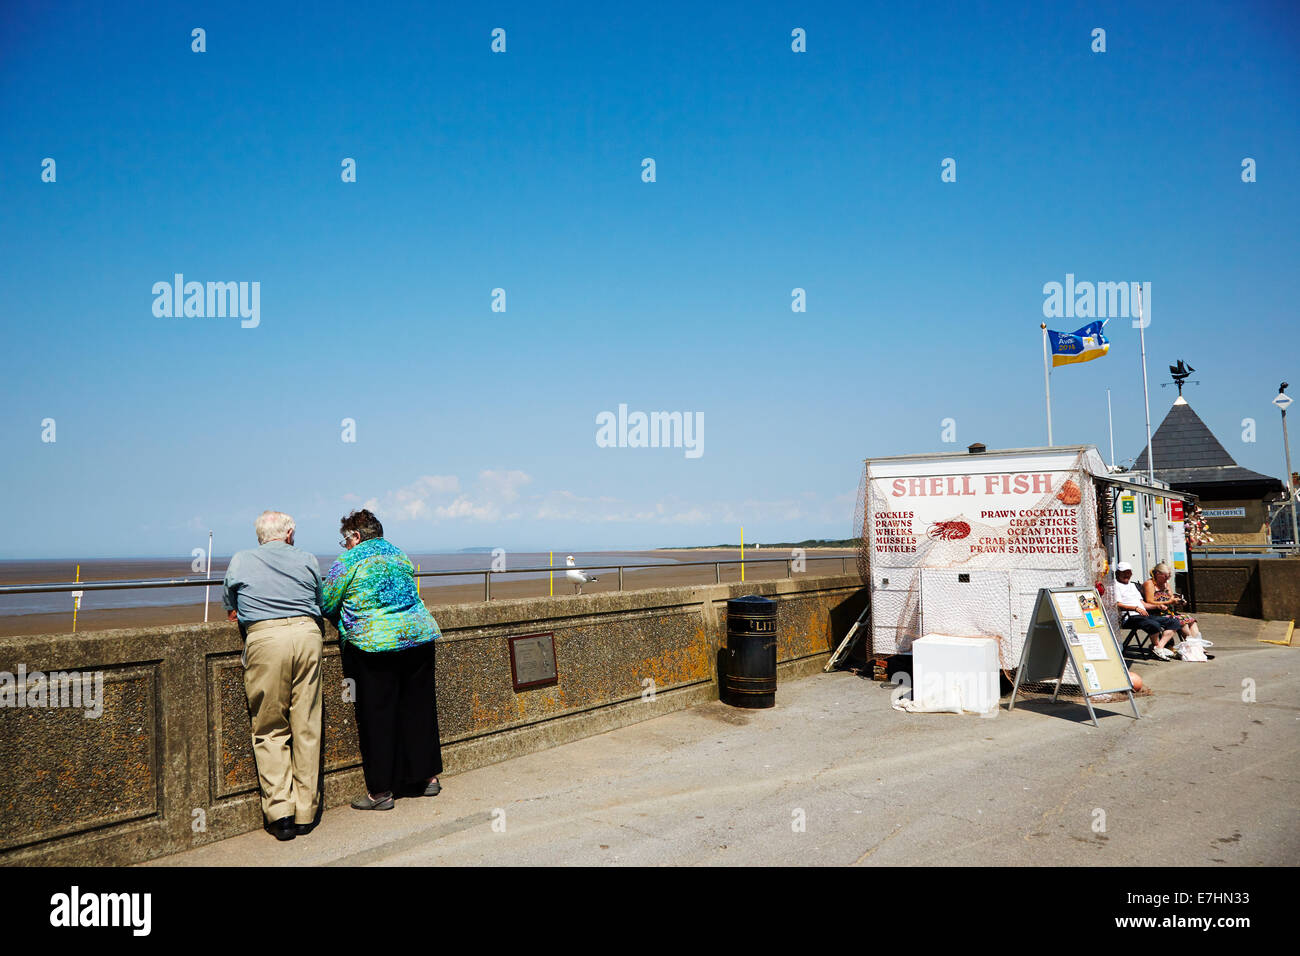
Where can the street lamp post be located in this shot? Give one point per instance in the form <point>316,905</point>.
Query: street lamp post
<point>1283,401</point>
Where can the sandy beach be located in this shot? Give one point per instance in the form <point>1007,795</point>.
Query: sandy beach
<point>461,589</point>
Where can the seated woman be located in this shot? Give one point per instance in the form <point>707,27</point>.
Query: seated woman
<point>1134,611</point>
<point>1160,597</point>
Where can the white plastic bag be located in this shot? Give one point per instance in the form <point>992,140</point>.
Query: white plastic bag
<point>1193,649</point>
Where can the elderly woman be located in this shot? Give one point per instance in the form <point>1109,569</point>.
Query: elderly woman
<point>1135,611</point>
<point>387,636</point>
<point>1161,598</point>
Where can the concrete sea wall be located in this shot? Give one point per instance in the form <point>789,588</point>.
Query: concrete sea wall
<point>168,764</point>
<point>1267,588</point>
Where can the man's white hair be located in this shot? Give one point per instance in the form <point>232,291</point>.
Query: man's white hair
<point>273,526</point>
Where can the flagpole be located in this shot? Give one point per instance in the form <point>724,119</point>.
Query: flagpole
<point>1047,385</point>
<point>207,574</point>
<point>1111,420</point>
<point>1146,395</point>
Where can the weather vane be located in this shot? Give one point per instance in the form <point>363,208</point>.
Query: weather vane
<point>1180,373</point>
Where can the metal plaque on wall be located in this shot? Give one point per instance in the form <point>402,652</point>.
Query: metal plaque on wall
<point>532,661</point>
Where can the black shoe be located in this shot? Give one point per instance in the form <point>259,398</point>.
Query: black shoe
<point>302,829</point>
<point>283,829</point>
<point>366,802</point>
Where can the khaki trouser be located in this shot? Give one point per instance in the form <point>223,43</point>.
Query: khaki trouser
<point>282,675</point>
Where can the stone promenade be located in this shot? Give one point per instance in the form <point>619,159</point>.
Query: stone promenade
<point>833,775</point>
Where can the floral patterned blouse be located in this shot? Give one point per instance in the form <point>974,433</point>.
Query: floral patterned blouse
<point>370,595</point>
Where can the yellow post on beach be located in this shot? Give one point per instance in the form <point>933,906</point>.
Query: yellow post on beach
<point>417,580</point>
<point>76,601</point>
<point>742,554</point>
<point>552,564</point>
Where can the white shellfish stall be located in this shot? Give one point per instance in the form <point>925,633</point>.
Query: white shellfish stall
<point>960,543</point>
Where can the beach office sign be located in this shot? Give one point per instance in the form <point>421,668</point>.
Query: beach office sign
<point>211,300</point>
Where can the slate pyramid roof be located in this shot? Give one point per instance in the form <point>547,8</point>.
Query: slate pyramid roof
<point>1188,454</point>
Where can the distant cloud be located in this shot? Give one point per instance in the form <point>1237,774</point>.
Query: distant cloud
<point>501,495</point>
<point>441,497</point>
<point>505,484</point>
<point>567,506</point>
<point>411,501</point>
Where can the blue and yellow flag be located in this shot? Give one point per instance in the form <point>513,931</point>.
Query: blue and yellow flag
<point>1081,345</point>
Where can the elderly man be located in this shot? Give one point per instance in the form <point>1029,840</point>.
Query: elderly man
<point>1135,612</point>
<point>274,592</point>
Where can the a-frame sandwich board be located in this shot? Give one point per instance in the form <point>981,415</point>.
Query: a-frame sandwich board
<point>1070,627</point>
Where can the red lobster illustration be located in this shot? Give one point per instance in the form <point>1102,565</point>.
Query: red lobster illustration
<point>1069,494</point>
<point>949,530</point>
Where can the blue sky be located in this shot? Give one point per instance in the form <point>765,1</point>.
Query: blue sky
<point>522,171</point>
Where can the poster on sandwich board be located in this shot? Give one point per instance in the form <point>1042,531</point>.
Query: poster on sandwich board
<point>1069,626</point>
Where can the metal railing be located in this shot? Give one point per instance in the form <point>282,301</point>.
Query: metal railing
<point>463,572</point>
<point>1244,549</point>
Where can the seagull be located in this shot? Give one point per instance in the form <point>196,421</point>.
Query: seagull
<point>579,578</point>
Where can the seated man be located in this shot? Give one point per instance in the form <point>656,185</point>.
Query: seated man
<point>1135,612</point>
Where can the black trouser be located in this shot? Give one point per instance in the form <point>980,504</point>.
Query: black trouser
<point>1152,625</point>
<point>1146,624</point>
<point>397,716</point>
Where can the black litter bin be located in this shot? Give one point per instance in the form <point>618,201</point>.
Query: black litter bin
<point>751,652</point>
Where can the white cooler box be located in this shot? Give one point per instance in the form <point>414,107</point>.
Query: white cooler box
<point>955,674</point>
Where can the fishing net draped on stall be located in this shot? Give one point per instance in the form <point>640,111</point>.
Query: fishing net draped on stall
<point>947,545</point>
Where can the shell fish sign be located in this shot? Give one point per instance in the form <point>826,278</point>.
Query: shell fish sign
<point>961,544</point>
<point>1014,513</point>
